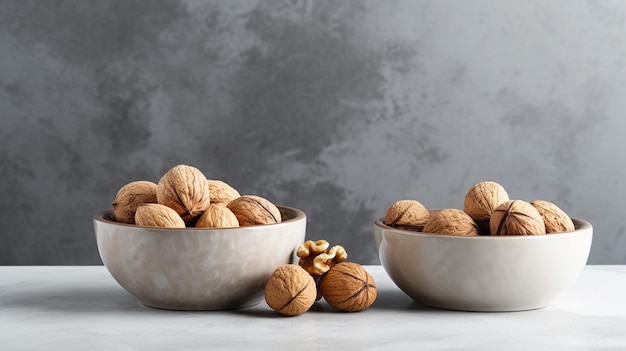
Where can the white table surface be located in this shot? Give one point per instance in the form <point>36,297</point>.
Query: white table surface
<point>83,308</point>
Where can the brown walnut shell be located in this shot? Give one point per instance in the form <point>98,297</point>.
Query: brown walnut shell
<point>157,215</point>
<point>186,190</point>
<point>516,217</point>
<point>481,200</point>
<point>555,219</point>
<point>217,216</point>
<point>451,221</point>
<point>131,195</point>
<point>290,290</point>
<point>348,287</point>
<point>407,214</point>
<point>221,193</point>
<point>254,210</point>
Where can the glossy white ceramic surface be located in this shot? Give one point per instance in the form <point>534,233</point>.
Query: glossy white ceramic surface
<point>197,268</point>
<point>483,273</point>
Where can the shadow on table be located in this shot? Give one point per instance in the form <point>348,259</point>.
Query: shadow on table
<point>387,299</point>
<point>77,300</point>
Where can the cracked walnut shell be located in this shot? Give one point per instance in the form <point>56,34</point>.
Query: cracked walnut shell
<point>186,190</point>
<point>290,290</point>
<point>516,217</point>
<point>555,219</point>
<point>157,215</point>
<point>317,259</point>
<point>254,210</point>
<point>217,216</point>
<point>130,196</point>
<point>451,221</point>
<point>348,287</point>
<point>407,214</point>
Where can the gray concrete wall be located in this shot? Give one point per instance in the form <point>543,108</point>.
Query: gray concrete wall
<point>335,107</point>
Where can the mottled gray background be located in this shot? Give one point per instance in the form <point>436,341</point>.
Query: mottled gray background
<point>335,107</point>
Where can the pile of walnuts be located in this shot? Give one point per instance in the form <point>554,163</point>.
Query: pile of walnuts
<point>184,197</point>
<point>320,273</point>
<point>487,210</point>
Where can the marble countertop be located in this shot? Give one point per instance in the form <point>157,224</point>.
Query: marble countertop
<point>82,307</point>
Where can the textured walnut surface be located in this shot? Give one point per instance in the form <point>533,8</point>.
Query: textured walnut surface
<point>130,196</point>
<point>482,199</point>
<point>290,290</point>
<point>348,287</point>
<point>407,214</point>
<point>516,217</point>
<point>554,218</point>
<point>451,222</point>
<point>157,215</point>
<point>185,189</point>
<point>254,210</point>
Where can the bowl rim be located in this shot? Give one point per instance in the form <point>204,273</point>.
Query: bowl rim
<point>580,225</point>
<point>101,217</point>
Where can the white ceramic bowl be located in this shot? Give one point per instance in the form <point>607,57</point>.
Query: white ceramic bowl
<point>484,273</point>
<point>197,268</point>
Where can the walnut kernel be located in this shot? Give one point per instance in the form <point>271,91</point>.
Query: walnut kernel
<point>317,259</point>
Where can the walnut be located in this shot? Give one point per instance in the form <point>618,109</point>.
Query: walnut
<point>407,214</point>
<point>220,192</point>
<point>317,259</point>
<point>186,190</point>
<point>217,216</point>
<point>348,287</point>
<point>129,196</point>
<point>157,215</point>
<point>481,200</point>
<point>516,217</point>
<point>253,210</point>
<point>451,221</point>
<point>290,290</point>
<point>555,219</point>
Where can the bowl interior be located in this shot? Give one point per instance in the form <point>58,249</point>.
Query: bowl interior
<point>484,273</point>
<point>197,268</point>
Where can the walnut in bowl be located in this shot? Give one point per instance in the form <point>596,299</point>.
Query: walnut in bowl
<point>197,268</point>
<point>486,272</point>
